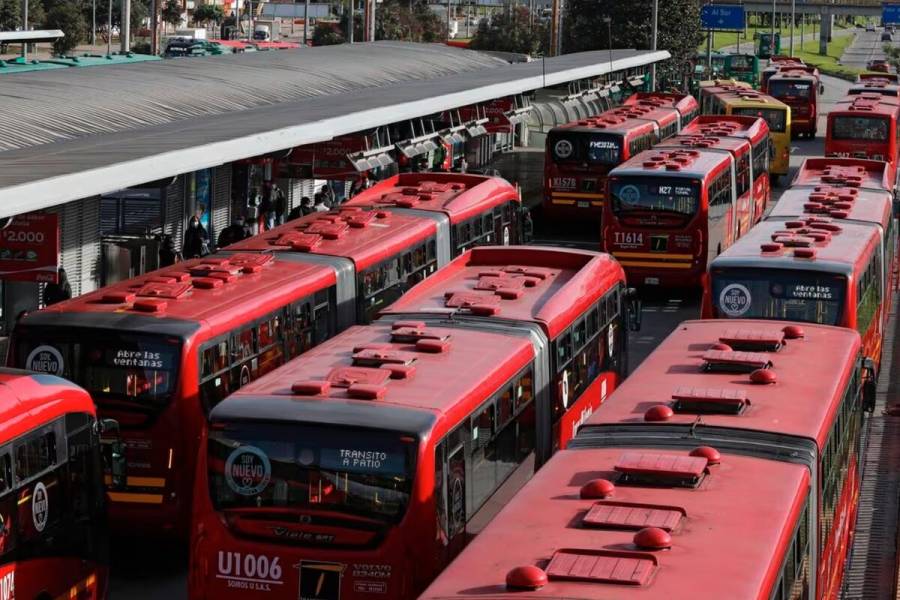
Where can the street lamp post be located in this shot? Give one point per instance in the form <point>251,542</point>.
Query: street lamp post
<point>608,21</point>
<point>772,42</point>
<point>653,43</point>
<point>793,8</point>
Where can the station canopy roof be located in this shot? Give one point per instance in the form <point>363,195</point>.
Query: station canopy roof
<point>73,133</point>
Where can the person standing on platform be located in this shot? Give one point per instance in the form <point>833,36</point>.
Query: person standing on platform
<point>196,240</point>
<point>59,291</point>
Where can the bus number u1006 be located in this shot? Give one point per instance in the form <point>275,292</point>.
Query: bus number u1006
<point>628,237</point>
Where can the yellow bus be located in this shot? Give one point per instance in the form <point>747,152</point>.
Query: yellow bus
<point>736,100</point>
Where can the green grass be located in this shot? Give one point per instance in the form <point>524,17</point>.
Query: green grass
<point>730,38</point>
<point>828,64</point>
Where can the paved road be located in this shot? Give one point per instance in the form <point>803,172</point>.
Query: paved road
<point>867,46</point>
<point>143,571</point>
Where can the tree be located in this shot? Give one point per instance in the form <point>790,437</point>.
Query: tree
<point>510,31</point>
<point>205,13</point>
<point>893,56</point>
<point>679,29</point>
<point>326,34</point>
<point>171,13</point>
<point>10,15</point>
<point>67,17</point>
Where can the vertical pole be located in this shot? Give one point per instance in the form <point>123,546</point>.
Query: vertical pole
<point>793,14</point>
<point>449,18</point>
<point>554,28</point>
<point>24,28</point>
<point>653,44</point>
<point>772,42</point>
<point>125,27</point>
<point>351,21</point>
<point>109,29</point>
<point>306,23</point>
<point>709,53</point>
<point>609,33</point>
<point>94,23</point>
<point>468,17</point>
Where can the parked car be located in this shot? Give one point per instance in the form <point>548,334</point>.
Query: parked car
<point>879,65</point>
<point>887,37</point>
<point>870,28</point>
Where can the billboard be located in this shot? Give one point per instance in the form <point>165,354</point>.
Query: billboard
<point>29,248</point>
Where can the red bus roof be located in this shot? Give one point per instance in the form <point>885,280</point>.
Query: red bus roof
<point>793,245</point>
<point>607,123</point>
<point>864,105</point>
<point>838,203</point>
<point>683,103</point>
<point>734,145</point>
<point>845,172</point>
<point>874,86</point>
<point>367,368</point>
<point>364,236</point>
<point>29,400</point>
<point>796,71</point>
<point>647,110</point>
<point>891,77</point>
<point>729,539</point>
<point>458,195</point>
<point>549,286</point>
<point>674,163</point>
<point>784,58</point>
<point>811,374</point>
<point>749,127</point>
<point>215,291</point>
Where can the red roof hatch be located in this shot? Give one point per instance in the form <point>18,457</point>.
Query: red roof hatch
<point>710,400</point>
<point>602,566</point>
<point>632,515</point>
<point>648,468</point>
<point>753,339</point>
<point>735,362</point>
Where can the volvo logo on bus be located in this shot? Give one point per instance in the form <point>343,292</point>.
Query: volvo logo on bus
<point>248,470</point>
<point>40,506</point>
<point>563,149</point>
<point>734,300</point>
<point>45,359</point>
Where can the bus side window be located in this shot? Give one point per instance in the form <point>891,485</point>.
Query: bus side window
<point>35,459</point>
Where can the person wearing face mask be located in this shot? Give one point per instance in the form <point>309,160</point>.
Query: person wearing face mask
<point>196,239</point>
<point>234,233</point>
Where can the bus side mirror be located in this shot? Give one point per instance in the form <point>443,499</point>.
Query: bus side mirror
<point>113,453</point>
<point>870,384</point>
<point>633,309</point>
<point>821,88</point>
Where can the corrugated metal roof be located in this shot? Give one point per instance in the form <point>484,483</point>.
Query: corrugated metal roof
<point>73,133</point>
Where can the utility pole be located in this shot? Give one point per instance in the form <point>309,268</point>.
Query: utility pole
<point>24,28</point>
<point>306,23</point>
<point>94,23</point>
<point>793,8</point>
<point>449,18</point>
<point>608,21</point>
<point>125,27</point>
<point>772,42</point>
<point>653,44</point>
<point>350,22</point>
<point>108,29</point>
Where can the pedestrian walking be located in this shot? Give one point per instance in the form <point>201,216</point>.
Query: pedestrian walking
<point>320,205</point>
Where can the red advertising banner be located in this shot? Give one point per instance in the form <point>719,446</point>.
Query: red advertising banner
<point>329,159</point>
<point>493,111</point>
<point>29,248</point>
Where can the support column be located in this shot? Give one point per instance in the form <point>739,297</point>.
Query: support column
<point>125,27</point>
<point>825,33</point>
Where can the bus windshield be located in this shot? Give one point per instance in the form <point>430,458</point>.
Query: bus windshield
<point>775,117</point>
<point>782,88</point>
<point>860,128</point>
<point>741,62</point>
<point>780,294</point>
<point>583,147</point>
<point>307,468</point>
<point>668,195</point>
<point>121,371</point>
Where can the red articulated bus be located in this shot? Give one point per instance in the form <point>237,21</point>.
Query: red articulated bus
<point>784,62</point>
<point>580,154</point>
<point>53,532</point>
<point>157,352</point>
<point>365,466</point>
<point>695,480</point>
<point>799,88</point>
<point>814,270</point>
<point>469,210</point>
<point>670,213</point>
<point>756,131</point>
<point>850,173</point>
<point>864,126</point>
